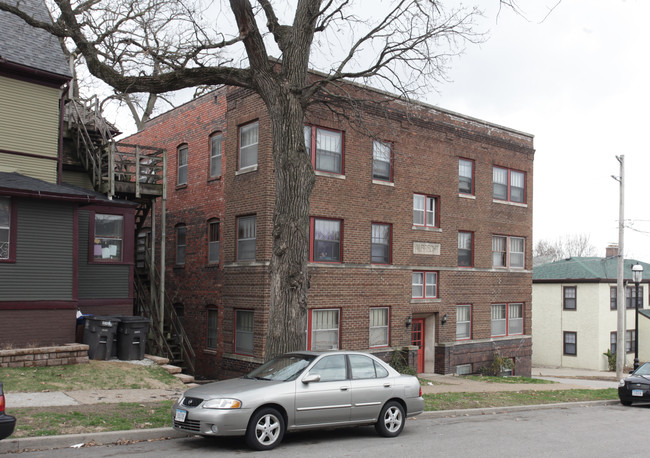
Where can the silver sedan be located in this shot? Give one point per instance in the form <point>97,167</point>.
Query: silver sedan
<point>301,390</point>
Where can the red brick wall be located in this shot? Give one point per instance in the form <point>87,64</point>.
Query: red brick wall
<point>19,329</point>
<point>426,152</point>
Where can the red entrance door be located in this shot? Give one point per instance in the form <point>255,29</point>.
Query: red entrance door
<point>417,338</point>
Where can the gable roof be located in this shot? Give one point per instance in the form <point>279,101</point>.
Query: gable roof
<point>27,46</point>
<point>586,269</point>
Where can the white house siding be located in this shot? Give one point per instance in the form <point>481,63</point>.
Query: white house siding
<point>593,321</point>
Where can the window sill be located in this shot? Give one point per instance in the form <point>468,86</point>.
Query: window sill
<point>426,301</point>
<point>426,228</point>
<point>467,196</point>
<point>211,179</point>
<point>238,357</point>
<point>506,202</point>
<point>181,186</point>
<point>318,173</point>
<point>249,169</point>
<point>383,183</point>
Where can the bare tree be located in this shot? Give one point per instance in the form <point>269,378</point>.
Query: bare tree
<point>403,47</point>
<point>573,245</point>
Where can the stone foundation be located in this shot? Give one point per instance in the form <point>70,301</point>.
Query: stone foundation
<point>45,356</point>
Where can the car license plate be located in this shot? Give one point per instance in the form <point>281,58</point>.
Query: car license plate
<point>637,393</point>
<point>181,415</point>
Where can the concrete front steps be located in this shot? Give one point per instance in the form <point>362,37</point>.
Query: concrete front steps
<point>174,370</point>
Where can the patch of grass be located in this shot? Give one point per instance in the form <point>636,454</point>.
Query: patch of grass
<point>493,379</point>
<point>454,401</point>
<point>49,421</point>
<point>96,375</point>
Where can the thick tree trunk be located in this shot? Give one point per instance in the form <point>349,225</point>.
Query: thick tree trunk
<point>294,180</point>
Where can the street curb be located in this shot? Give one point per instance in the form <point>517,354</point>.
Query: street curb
<point>508,409</point>
<point>70,440</point>
<point>116,437</point>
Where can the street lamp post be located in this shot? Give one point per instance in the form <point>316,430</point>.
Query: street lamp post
<point>637,276</point>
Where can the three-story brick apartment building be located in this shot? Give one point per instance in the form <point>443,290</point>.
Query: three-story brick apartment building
<point>420,232</point>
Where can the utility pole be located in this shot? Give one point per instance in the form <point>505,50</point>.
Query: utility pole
<point>620,292</point>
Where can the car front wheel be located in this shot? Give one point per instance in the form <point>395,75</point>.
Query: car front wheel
<point>391,420</point>
<point>265,429</point>
<point>626,402</point>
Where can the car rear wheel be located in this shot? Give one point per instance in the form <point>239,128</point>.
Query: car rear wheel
<point>265,429</point>
<point>391,420</point>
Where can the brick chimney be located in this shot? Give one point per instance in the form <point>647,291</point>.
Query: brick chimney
<point>611,250</point>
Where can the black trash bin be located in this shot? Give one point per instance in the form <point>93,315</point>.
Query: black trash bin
<point>132,337</point>
<point>99,333</point>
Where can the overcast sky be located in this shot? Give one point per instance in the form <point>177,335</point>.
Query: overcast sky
<point>578,81</point>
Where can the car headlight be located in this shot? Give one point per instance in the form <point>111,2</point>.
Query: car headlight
<point>222,403</point>
<point>621,382</point>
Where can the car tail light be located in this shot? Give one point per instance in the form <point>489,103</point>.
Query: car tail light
<point>2,403</point>
<point>420,391</point>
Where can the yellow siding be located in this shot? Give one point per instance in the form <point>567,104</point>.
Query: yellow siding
<point>43,169</point>
<point>80,179</point>
<point>29,117</point>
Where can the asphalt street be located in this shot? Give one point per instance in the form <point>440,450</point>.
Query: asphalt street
<point>564,431</point>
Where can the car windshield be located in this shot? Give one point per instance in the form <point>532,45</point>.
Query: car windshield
<point>643,370</point>
<point>283,368</point>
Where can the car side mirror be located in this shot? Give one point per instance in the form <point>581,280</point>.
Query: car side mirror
<point>311,378</point>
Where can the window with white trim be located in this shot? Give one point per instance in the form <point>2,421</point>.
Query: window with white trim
<point>324,326</point>
<point>630,338</point>
<point>248,141</point>
<point>181,176</point>
<point>212,328</point>
<point>213,241</point>
<point>463,322</point>
<point>215,155</point>
<point>246,238</point>
<point>424,285</point>
<point>465,249</point>
<point>382,161</point>
<point>109,235</point>
<point>326,240</point>
<point>244,326</point>
<point>508,251</point>
<point>466,176</point>
<point>508,185</point>
<point>380,244</point>
<point>5,227</point>
<point>507,319</point>
<point>379,320</point>
<point>325,147</point>
<point>425,210</point>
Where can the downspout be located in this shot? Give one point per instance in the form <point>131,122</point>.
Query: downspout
<point>59,166</point>
<point>163,236</point>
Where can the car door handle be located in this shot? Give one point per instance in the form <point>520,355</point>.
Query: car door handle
<point>386,385</point>
<point>344,388</point>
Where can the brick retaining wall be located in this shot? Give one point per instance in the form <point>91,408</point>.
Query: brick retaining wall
<point>45,356</point>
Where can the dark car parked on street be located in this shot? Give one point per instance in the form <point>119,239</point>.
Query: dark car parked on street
<point>7,422</point>
<point>636,386</point>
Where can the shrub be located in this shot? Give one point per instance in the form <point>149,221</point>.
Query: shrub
<point>498,364</point>
<point>611,359</point>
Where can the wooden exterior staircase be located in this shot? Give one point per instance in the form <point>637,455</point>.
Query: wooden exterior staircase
<point>136,173</point>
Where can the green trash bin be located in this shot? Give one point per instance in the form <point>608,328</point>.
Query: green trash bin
<point>99,333</point>
<point>132,337</point>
